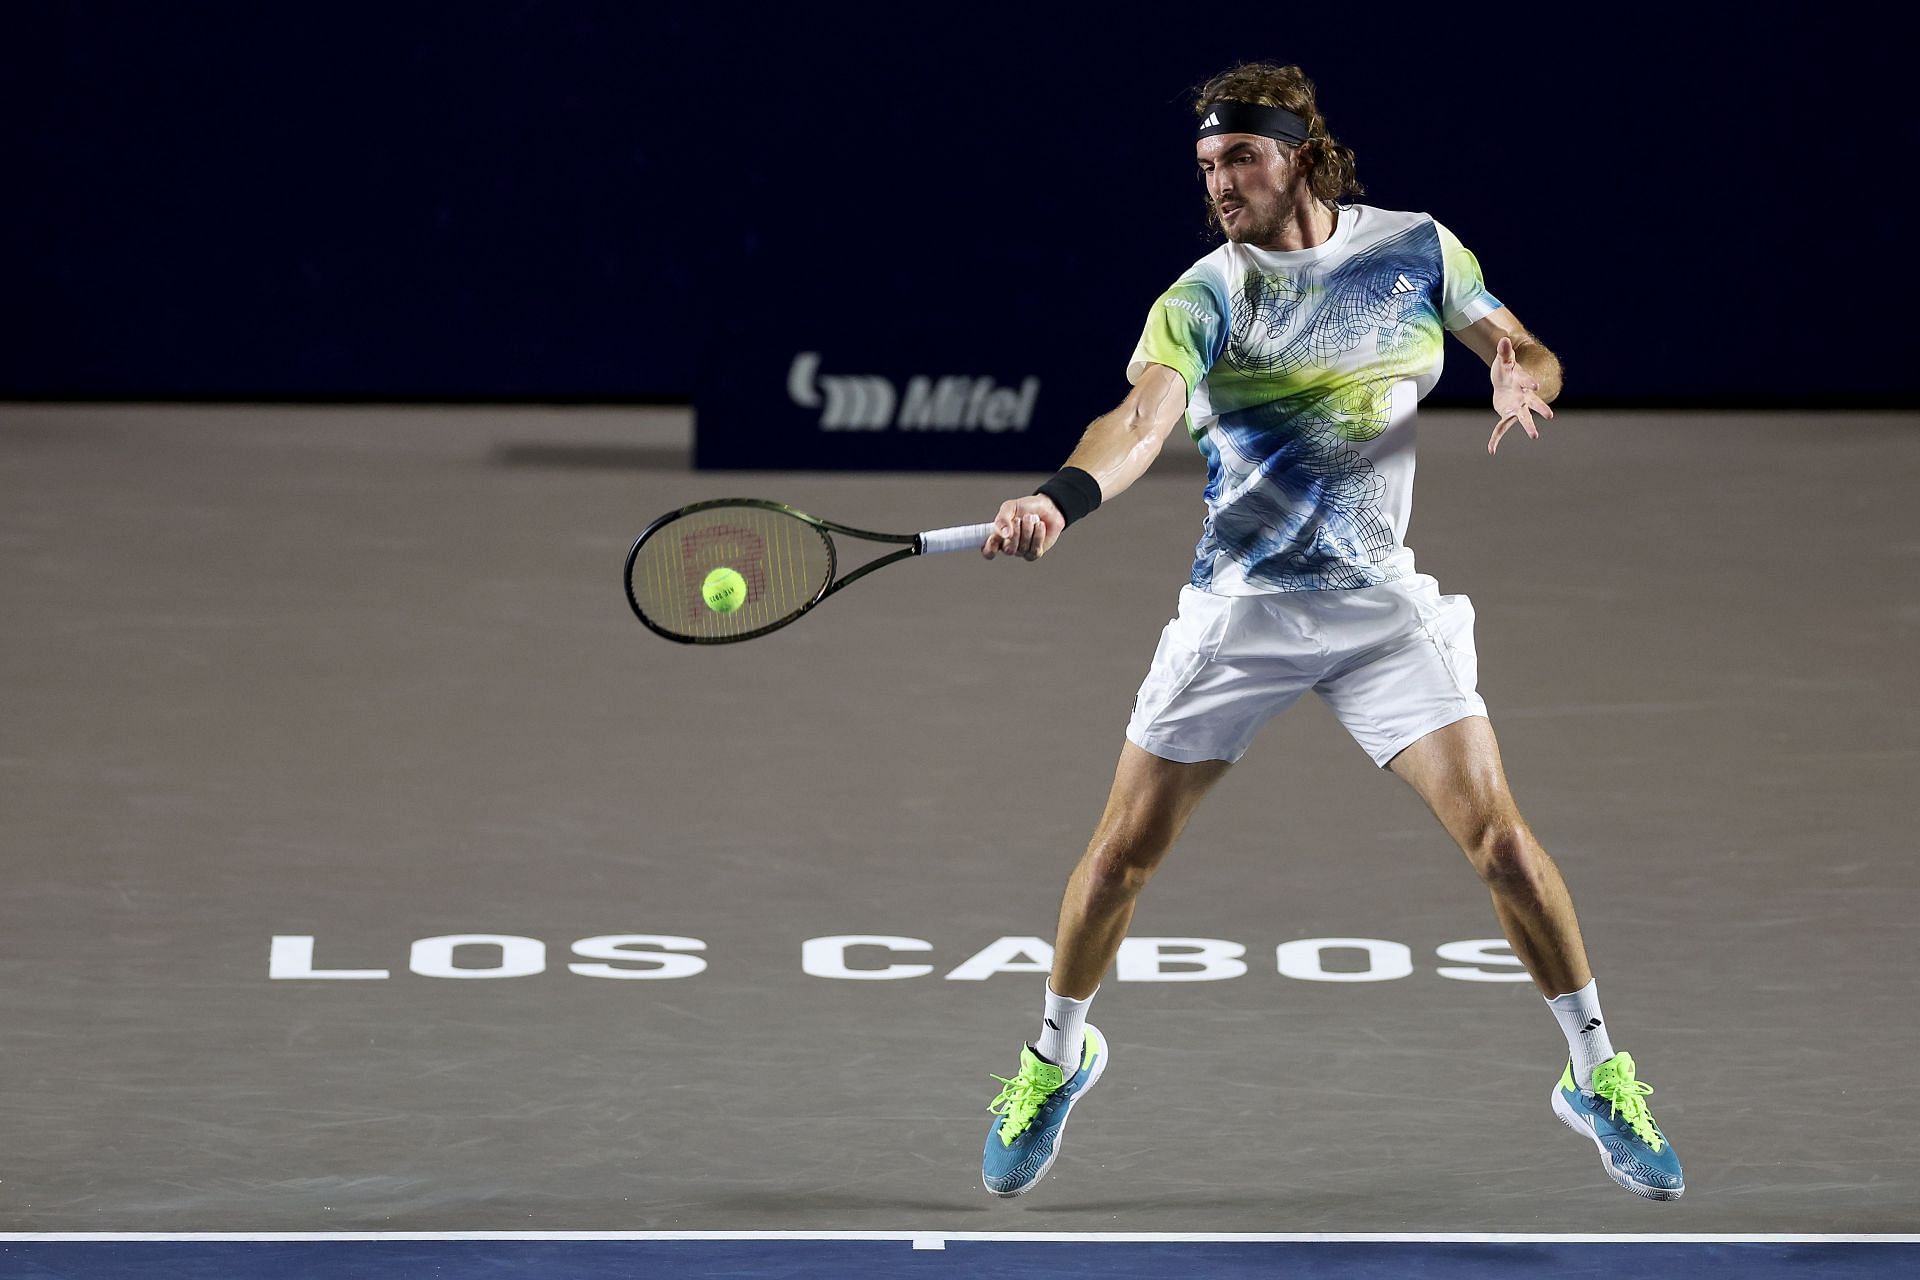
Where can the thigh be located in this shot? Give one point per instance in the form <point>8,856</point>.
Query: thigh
<point>1458,772</point>
<point>1152,798</point>
<point>1407,664</point>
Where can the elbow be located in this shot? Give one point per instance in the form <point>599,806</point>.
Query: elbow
<point>1149,422</point>
<point>1537,360</point>
<point>1551,383</point>
<point>1146,433</point>
<point>1136,420</point>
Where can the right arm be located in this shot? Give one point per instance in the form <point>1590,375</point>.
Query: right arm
<point>1116,450</point>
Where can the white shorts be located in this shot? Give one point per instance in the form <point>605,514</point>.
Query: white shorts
<point>1394,662</point>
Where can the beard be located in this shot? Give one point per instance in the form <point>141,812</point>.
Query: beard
<point>1248,226</point>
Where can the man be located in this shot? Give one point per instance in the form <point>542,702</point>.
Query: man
<point>1297,352</point>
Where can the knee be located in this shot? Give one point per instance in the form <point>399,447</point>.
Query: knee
<point>1118,866</point>
<point>1504,853</point>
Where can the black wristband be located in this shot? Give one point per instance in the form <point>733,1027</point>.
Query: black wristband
<point>1073,491</point>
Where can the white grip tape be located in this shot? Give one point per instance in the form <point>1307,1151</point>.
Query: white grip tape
<point>961,537</point>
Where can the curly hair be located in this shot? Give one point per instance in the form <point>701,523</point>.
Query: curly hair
<point>1329,164</point>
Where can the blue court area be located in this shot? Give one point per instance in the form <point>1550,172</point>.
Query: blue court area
<point>794,1257</point>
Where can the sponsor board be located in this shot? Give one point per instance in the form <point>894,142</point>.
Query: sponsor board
<point>872,402</point>
<point>875,957</point>
<point>919,395</point>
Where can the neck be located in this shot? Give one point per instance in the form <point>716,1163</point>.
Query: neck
<point>1311,224</point>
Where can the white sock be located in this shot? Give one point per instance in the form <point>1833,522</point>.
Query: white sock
<point>1062,1030</point>
<point>1588,1044</point>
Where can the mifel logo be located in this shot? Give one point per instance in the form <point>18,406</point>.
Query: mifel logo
<point>866,402</point>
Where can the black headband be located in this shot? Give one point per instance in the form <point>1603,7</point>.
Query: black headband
<point>1250,117</point>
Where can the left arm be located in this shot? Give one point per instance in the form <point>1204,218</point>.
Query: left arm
<point>1525,374</point>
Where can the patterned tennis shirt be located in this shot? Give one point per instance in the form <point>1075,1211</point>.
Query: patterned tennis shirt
<point>1303,374</point>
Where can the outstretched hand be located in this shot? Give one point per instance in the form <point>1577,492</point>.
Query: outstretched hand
<point>1026,527</point>
<point>1516,396</point>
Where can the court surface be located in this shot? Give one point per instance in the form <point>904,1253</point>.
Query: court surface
<point>363,681</point>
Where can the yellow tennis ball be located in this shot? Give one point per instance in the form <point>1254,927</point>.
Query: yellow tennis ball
<point>724,590</point>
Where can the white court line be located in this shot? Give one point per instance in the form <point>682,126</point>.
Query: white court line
<point>927,1239</point>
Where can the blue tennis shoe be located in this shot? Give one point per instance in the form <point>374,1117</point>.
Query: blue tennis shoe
<point>1615,1116</point>
<point>1031,1114</point>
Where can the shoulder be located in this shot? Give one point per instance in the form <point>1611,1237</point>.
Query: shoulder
<point>1396,235</point>
<point>1214,270</point>
<point>1210,275</point>
<point>1372,226</point>
<point>1384,221</point>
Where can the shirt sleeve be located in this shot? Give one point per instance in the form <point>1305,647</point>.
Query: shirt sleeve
<point>1464,297</point>
<point>1186,331</point>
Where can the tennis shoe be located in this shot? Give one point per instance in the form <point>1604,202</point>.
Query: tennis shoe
<point>1614,1115</point>
<point>1030,1114</point>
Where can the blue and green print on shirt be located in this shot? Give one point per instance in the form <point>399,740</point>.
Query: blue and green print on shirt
<point>1303,371</point>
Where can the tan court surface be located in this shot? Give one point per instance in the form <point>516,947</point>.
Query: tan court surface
<point>366,677</point>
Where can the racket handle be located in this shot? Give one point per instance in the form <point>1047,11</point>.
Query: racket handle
<point>961,537</point>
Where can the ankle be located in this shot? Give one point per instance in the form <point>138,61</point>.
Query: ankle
<point>1062,1031</point>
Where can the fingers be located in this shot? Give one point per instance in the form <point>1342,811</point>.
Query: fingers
<point>1020,530</point>
<point>1001,540</point>
<point>1513,376</point>
<point>1025,535</point>
<point>1041,540</point>
<point>1530,405</point>
<point>1050,531</point>
<point>1522,414</point>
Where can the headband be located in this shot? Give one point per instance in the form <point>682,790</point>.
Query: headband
<point>1250,117</point>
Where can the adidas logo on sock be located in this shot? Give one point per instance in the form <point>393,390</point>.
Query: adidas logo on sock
<point>1592,1024</point>
<point>1054,1026</point>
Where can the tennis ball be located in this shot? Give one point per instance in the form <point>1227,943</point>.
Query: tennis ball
<point>724,590</point>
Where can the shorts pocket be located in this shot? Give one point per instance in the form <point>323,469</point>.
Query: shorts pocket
<point>1187,645</point>
<point>1174,668</point>
<point>1448,623</point>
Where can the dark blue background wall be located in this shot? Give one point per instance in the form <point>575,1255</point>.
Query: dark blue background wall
<point>567,201</point>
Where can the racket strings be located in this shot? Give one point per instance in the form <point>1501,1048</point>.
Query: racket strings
<point>784,562</point>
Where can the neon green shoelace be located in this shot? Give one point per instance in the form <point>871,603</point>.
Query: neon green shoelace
<point>1614,1080</point>
<point>1022,1098</point>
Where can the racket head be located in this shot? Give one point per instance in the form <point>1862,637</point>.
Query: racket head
<point>785,557</point>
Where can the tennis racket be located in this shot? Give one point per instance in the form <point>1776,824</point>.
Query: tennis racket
<point>784,561</point>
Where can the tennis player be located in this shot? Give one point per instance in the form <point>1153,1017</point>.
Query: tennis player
<point>1296,354</point>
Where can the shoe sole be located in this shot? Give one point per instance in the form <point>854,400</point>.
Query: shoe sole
<point>1060,1137</point>
<point>1571,1118</point>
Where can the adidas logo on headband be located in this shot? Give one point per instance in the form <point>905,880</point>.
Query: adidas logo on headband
<point>1229,116</point>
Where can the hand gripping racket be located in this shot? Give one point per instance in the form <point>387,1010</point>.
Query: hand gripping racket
<point>736,568</point>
